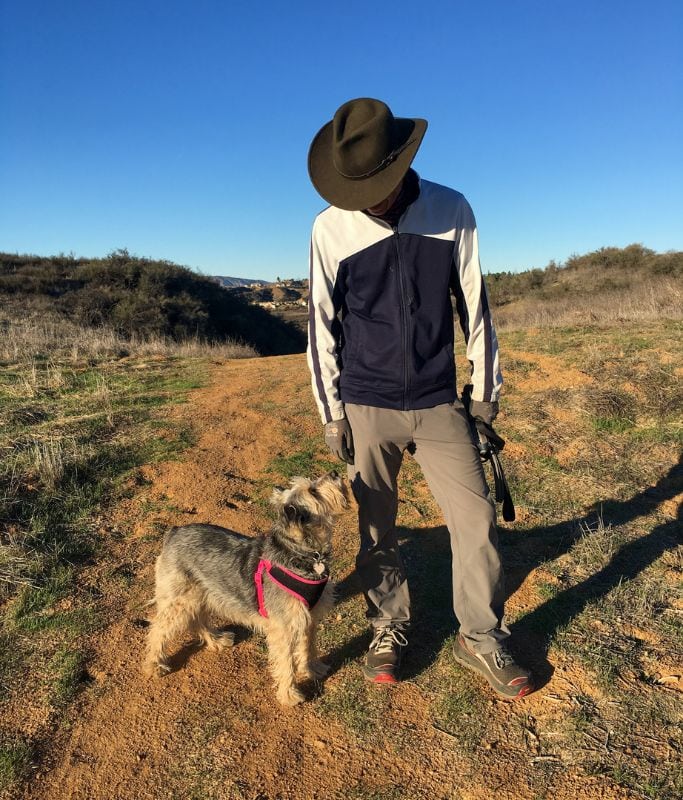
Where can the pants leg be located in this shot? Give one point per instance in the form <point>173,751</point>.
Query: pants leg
<point>380,436</point>
<point>451,464</point>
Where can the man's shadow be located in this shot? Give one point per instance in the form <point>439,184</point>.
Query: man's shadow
<point>427,555</point>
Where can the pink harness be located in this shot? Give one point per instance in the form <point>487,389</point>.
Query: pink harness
<point>309,591</point>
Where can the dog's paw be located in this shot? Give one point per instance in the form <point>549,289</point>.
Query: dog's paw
<point>290,696</point>
<point>317,669</point>
<point>156,669</point>
<point>218,640</point>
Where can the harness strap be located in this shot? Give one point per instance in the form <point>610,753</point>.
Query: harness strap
<point>304,589</point>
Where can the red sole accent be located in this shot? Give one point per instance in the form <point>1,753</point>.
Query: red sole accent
<point>523,692</point>
<point>384,677</point>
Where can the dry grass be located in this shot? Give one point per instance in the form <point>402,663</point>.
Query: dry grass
<point>48,462</point>
<point>40,336</point>
<point>651,300</point>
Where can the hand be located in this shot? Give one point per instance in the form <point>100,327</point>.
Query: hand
<point>487,437</point>
<point>486,412</point>
<point>339,439</point>
<point>483,414</point>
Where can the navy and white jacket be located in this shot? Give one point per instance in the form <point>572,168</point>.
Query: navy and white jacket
<point>380,316</point>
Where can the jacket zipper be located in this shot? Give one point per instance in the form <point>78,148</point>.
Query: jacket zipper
<point>404,318</point>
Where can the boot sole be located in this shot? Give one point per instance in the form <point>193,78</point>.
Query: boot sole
<point>381,678</point>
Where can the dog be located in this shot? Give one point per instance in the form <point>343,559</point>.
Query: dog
<point>276,583</point>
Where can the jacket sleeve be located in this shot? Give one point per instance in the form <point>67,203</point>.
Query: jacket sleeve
<point>473,310</point>
<point>323,329</point>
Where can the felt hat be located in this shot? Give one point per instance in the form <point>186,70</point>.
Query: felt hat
<point>358,158</point>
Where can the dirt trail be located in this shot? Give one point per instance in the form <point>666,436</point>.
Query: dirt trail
<point>215,718</point>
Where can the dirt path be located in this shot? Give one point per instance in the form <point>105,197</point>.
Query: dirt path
<point>212,728</point>
<point>132,738</point>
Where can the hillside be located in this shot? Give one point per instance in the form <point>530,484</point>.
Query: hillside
<point>140,297</point>
<point>604,285</point>
<point>609,284</point>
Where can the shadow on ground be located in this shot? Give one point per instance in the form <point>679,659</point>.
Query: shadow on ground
<point>427,556</point>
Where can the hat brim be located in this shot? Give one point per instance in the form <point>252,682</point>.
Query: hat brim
<point>357,194</point>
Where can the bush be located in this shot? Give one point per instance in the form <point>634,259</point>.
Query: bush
<point>141,297</point>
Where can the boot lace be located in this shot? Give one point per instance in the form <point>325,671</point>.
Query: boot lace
<point>386,639</point>
<point>503,657</point>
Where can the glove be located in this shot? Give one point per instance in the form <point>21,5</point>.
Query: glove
<point>339,439</point>
<point>486,412</point>
<point>488,434</point>
<point>482,415</point>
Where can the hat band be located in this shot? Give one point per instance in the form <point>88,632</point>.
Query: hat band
<point>382,164</point>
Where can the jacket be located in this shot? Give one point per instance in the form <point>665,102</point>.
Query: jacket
<point>380,328</point>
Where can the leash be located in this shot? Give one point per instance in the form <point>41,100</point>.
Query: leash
<point>489,447</point>
<point>489,452</point>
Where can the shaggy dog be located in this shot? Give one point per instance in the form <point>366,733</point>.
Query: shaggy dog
<point>275,583</point>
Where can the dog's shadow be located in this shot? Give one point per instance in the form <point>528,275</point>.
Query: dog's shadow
<point>189,649</point>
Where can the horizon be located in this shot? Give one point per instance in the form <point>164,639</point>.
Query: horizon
<point>285,277</point>
<point>181,133</point>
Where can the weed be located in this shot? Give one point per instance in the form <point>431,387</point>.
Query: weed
<point>48,462</point>
<point>605,402</point>
<point>66,675</point>
<point>611,424</point>
<point>33,600</point>
<point>596,545</point>
<point>547,590</point>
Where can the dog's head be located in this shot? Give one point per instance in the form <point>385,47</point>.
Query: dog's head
<point>307,508</point>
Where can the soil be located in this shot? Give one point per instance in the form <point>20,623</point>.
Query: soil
<point>212,728</point>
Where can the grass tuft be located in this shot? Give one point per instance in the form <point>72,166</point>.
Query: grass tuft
<point>15,760</point>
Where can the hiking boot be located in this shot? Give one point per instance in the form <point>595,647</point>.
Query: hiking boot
<point>499,668</point>
<point>384,655</point>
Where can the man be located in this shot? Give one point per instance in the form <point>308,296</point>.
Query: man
<point>384,256</point>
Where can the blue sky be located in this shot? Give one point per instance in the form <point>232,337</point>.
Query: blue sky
<point>180,129</point>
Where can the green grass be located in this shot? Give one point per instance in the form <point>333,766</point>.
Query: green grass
<point>301,462</point>
<point>15,759</point>
<point>73,435</point>
<point>66,675</point>
<point>357,705</point>
<point>547,590</point>
<point>611,424</point>
<point>460,709</point>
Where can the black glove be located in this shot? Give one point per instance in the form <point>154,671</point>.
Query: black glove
<point>488,434</point>
<point>339,439</point>
<point>482,415</point>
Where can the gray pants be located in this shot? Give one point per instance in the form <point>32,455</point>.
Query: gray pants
<point>440,440</point>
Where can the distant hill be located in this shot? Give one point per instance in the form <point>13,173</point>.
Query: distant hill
<point>142,297</point>
<point>233,283</point>
<point>610,283</point>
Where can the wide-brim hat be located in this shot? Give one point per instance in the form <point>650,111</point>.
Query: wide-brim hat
<point>358,158</point>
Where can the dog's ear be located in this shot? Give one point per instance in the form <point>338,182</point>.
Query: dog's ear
<point>277,496</point>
